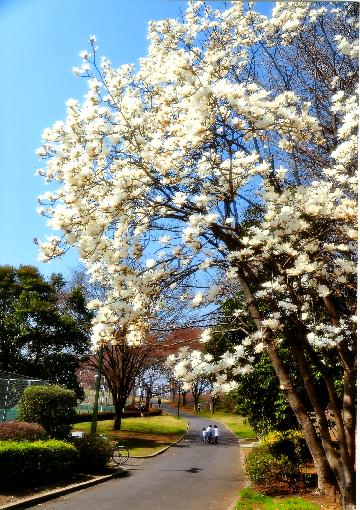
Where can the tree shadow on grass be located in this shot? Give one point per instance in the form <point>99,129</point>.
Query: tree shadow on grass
<point>143,445</point>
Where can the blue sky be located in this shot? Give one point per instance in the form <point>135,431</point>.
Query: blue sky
<point>39,44</point>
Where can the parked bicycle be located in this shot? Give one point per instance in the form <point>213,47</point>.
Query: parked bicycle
<point>120,453</point>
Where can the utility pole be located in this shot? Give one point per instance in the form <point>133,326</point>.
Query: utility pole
<point>178,407</point>
<point>97,390</point>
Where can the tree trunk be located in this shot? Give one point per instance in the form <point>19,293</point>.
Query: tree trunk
<point>173,390</point>
<point>184,397</point>
<point>148,395</point>
<point>348,495</point>
<point>349,400</point>
<point>324,472</point>
<point>348,490</point>
<point>133,397</point>
<point>196,402</point>
<point>118,415</point>
<point>117,422</point>
<point>342,465</point>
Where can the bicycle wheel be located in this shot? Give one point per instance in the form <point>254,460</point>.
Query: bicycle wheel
<point>120,455</point>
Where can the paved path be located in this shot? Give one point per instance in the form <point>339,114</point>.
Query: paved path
<point>188,476</point>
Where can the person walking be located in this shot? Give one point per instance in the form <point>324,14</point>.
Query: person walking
<point>216,434</point>
<point>209,434</point>
<point>204,435</point>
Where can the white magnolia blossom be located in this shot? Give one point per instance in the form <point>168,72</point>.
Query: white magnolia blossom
<point>327,336</point>
<point>141,161</point>
<point>189,366</point>
<point>205,335</point>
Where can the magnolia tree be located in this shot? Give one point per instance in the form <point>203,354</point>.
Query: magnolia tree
<point>191,369</point>
<point>229,111</point>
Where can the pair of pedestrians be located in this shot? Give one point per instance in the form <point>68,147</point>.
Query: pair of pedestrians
<point>210,434</point>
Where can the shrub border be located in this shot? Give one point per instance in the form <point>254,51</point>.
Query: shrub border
<point>35,500</point>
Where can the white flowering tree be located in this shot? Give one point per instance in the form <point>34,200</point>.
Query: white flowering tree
<point>157,166</point>
<point>194,371</point>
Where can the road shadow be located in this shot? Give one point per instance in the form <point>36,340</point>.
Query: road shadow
<point>192,470</point>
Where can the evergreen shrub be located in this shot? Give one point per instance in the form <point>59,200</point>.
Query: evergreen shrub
<point>289,442</point>
<point>278,460</point>
<point>51,406</point>
<point>263,467</point>
<point>109,415</point>
<point>25,462</point>
<point>87,417</point>
<point>94,453</point>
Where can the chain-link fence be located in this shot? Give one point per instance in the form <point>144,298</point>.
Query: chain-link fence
<point>12,387</point>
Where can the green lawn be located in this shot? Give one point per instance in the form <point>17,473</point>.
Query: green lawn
<point>250,500</point>
<point>143,436</point>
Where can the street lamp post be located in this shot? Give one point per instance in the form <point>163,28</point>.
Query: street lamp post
<point>97,390</point>
<point>178,406</point>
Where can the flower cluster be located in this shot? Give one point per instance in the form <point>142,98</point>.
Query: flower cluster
<point>156,167</point>
<point>189,366</point>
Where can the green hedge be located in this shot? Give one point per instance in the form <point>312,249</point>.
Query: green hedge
<point>94,453</point>
<point>154,411</point>
<point>109,415</point>
<point>24,462</point>
<point>52,406</point>
<point>83,417</point>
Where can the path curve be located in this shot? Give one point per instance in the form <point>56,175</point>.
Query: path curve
<point>188,476</point>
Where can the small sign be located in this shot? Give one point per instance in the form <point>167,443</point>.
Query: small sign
<point>77,433</point>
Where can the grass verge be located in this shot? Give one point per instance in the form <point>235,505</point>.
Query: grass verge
<point>143,436</point>
<point>251,500</point>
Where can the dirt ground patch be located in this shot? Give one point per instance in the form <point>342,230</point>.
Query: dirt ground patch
<point>326,502</point>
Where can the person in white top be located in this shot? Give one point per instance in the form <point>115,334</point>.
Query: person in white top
<point>209,434</point>
<point>216,434</point>
<point>204,435</point>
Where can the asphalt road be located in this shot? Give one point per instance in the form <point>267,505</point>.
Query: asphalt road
<point>188,476</point>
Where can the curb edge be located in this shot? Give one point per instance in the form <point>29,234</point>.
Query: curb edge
<point>35,500</point>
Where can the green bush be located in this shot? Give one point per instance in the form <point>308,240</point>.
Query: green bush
<point>289,442</point>
<point>20,431</point>
<point>153,411</point>
<point>51,406</point>
<point>102,415</point>
<point>109,415</point>
<point>278,459</point>
<point>94,453</point>
<point>25,462</point>
<point>263,467</point>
